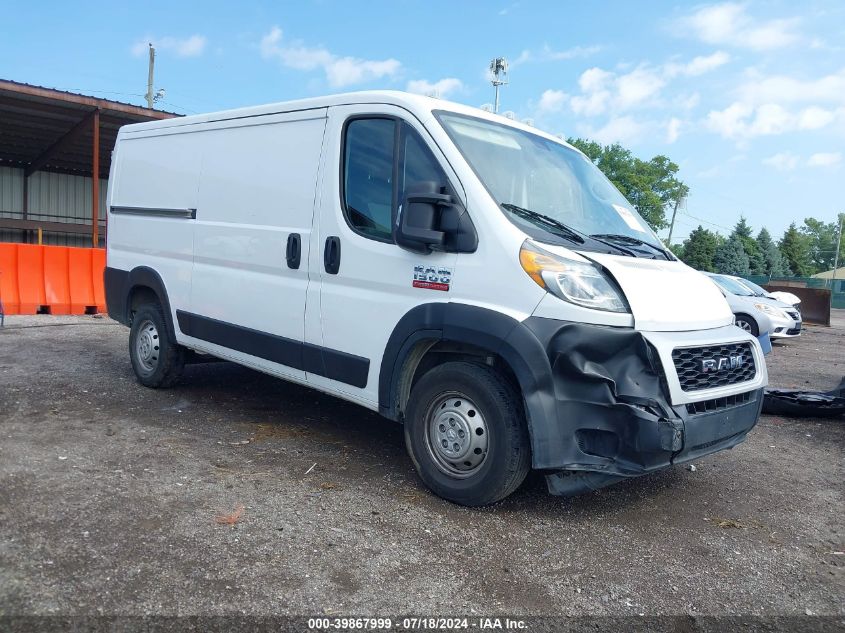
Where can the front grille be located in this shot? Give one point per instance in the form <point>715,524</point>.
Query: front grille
<point>718,404</point>
<point>793,314</point>
<point>696,370</point>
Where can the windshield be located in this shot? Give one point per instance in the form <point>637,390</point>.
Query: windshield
<point>757,290</point>
<point>731,286</point>
<point>521,169</point>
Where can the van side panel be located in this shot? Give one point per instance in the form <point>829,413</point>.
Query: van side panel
<point>153,187</point>
<point>256,189</point>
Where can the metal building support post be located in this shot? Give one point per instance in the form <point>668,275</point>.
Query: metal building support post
<point>95,181</point>
<point>25,234</point>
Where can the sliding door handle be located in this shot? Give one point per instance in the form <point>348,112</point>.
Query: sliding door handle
<point>331,255</point>
<point>294,250</point>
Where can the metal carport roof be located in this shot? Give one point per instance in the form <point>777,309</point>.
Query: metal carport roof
<point>42,129</point>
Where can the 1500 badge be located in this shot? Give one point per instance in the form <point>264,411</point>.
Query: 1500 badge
<point>432,277</point>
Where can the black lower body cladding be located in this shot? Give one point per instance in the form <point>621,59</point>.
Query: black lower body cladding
<point>614,415</point>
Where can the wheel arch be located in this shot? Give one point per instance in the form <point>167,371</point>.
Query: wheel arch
<point>144,281</point>
<point>458,329</point>
<point>748,317</point>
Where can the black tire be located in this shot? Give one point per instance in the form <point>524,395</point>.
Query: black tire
<point>474,394</point>
<point>743,320</point>
<point>156,359</point>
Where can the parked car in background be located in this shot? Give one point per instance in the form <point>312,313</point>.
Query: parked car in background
<point>748,308</point>
<point>778,295</point>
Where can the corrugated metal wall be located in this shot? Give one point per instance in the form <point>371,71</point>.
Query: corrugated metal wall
<point>52,198</point>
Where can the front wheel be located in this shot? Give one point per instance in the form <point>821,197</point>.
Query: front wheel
<point>747,323</point>
<point>157,360</point>
<point>465,431</point>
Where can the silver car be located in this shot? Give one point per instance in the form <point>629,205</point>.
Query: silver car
<point>753,314</point>
<point>791,309</point>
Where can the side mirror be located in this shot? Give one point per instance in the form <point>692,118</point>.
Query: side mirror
<point>430,219</point>
<point>417,224</point>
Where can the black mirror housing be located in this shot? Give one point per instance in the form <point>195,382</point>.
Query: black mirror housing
<point>430,219</point>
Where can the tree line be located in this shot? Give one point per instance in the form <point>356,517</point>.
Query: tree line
<point>653,187</point>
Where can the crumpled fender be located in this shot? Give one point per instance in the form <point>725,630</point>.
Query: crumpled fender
<point>604,379</point>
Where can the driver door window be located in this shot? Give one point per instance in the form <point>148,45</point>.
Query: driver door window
<point>374,181</point>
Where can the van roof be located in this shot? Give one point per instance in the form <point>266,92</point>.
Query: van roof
<point>418,105</point>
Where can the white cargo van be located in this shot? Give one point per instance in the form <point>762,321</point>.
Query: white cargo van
<point>475,279</point>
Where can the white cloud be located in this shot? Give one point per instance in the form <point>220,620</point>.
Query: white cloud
<point>673,130</point>
<point>777,104</point>
<point>192,46</point>
<point>824,159</point>
<point>782,161</point>
<point>689,102</point>
<point>729,23</point>
<point>730,122</point>
<point>625,130</point>
<point>743,120</point>
<point>785,89</point>
<point>552,100</point>
<point>340,71</point>
<point>814,118</point>
<point>547,54</point>
<point>698,65</point>
<point>638,86</point>
<point>606,91</point>
<point>594,79</point>
<point>437,89</point>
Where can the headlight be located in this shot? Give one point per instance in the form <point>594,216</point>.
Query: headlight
<point>580,283</point>
<point>763,307</point>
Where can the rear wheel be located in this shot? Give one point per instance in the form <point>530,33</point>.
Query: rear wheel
<point>747,323</point>
<point>157,360</point>
<point>466,434</point>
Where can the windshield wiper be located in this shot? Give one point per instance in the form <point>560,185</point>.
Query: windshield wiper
<point>563,230</point>
<point>627,239</point>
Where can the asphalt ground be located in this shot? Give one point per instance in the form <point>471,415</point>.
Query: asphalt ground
<point>111,497</point>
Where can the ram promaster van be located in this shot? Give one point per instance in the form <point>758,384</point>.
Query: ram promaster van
<point>473,278</point>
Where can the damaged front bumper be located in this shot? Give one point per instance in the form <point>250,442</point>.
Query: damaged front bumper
<point>622,410</point>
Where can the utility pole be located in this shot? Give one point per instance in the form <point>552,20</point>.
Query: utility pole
<point>150,96</point>
<point>838,246</point>
<point>682,195</point>
<point>674,213</point>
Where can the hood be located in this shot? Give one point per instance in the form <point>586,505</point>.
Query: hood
<point>666,296</point>
<point>786,297</point>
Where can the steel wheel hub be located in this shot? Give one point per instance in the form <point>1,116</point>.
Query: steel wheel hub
<point>745,325</point>
<point>147,346</point>
<point>457,436</point>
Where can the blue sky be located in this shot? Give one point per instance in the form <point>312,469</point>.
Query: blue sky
<point>747,97</point>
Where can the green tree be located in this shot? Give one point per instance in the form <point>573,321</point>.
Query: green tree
<point>651,186</point>
<point>756,260</point>
<point>822,238</point>
<point>700,248</point>
<point>773,261</point>
<point>795,247</point>
<point>677,250</point>
<point>731,258</point>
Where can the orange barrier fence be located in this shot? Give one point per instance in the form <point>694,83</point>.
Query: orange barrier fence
<point>51,279</point>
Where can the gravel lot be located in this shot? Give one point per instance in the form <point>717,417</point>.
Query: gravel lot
<point>109,494</point>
